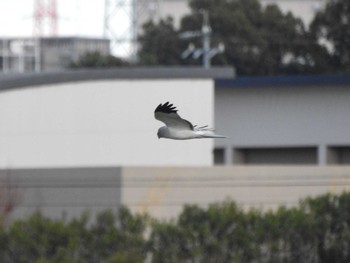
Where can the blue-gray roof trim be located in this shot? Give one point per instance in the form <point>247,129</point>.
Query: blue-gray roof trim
<point>284,81</point>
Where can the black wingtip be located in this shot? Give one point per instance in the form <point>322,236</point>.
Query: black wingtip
<point>167,107</point>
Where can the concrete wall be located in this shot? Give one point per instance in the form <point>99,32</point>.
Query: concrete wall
<point>162,191</point>
<point>304,117</point>
<point>101,123</point>
<point>61,192</point>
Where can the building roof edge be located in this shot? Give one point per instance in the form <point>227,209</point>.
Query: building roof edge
<point>22,80</point>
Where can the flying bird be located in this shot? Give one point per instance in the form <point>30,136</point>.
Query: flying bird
<point>177,128</point>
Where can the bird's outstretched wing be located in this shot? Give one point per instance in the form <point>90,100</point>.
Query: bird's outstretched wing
<point>167,113</point>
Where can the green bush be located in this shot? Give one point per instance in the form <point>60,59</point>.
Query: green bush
<point>318,230</point>
<point>112,237</point>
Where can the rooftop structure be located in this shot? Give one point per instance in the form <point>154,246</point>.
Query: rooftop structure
<point>46,53</point>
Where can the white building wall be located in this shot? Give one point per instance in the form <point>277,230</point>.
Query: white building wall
<point>101,123</point>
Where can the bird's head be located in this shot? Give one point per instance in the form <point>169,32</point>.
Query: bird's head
<point>162,132</point>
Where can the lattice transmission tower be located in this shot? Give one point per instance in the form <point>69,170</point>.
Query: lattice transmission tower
<point>45,18</point>
<point>123,23</point>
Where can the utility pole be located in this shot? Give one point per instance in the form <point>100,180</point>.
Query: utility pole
<point>206,51</point>
<point>206,31</point>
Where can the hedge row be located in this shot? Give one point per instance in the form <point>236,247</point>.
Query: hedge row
<point>318,230</point>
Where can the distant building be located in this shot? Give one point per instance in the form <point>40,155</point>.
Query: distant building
<point>46,54</point>
<point>283,120</point>
<point>103,117</point>
<point>86,139</point>
<point>269,120</point>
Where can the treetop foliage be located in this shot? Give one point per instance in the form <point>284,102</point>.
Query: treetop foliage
<point>258,40</point>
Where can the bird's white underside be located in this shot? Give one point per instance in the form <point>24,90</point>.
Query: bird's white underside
<point>177,128</point>
<point>178,134</point>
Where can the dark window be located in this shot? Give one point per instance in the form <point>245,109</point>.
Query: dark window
<point>339,155</point>
<point>278,155</point>
<point>219,156</point>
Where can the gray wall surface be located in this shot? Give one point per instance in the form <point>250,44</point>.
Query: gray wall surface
<point>64,191</point>
<point>315,117</point>
<point>163,191</point>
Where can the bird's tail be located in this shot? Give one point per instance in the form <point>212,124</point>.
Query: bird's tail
<point>206,132</point>
<point>213,135</point>
<point>203,128</point>
<point>209,134</point>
